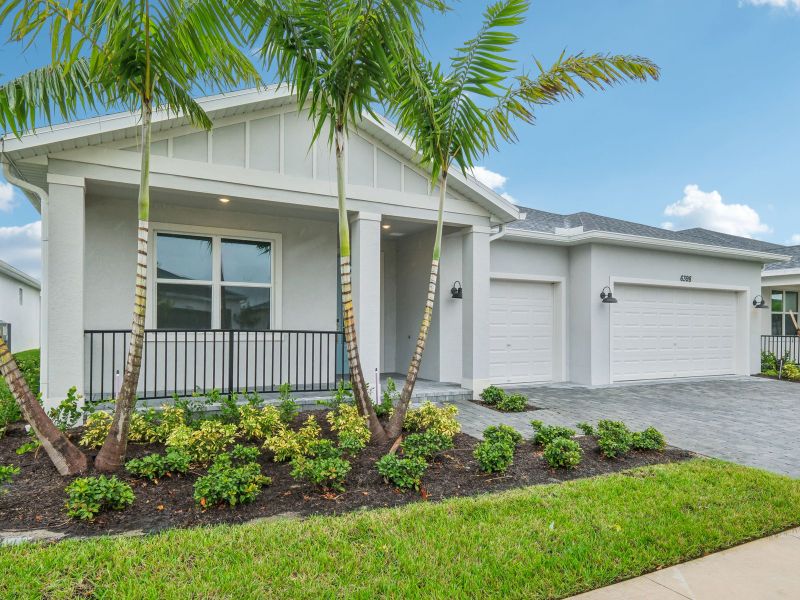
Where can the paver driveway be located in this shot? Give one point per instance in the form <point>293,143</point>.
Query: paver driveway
<point>748,420</point>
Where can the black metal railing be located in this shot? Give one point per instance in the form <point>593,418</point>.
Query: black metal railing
<point>782,345</point>
<point>183,362</point>
<point>5,332</point>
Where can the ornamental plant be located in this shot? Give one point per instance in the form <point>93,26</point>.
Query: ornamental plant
<point>287,444</point>
<point>492,395</point>
<point>96,429</point>
<point>497,433</point>
<point>405,473</point>
<point>350,427</point>
<point>7,472</point>
<point>426,444</point>
<point>259,423</point>
<point>512,403</point>
<point>229,481</point>
<point>170,419</point>
<point>324,466</point>
<point>495,456</point>
<point>563,453</point>
<point>287,407</point>
<point>155,466</point>
<point>547,433</point>
<point>649,439</point>
<point>143,427</point>
<point>430,417</point>
<point>203,444</point>
<point>614,438</point>
<point>87,496</point>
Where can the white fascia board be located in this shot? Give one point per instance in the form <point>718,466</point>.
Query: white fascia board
<point>623,239</point>
<point>780,273</point>
<point>17,275</point>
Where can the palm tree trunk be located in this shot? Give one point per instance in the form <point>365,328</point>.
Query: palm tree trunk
<point>112,454</point>
<point>396,423</point>
<point>363,402</point>
<point>66,457</point>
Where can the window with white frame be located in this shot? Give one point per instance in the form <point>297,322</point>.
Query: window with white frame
<point>784,307</point>
<point>213,282</point>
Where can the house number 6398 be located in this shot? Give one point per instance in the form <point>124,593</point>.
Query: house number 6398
<point>686,278</point>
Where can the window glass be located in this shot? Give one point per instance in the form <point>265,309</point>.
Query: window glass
<point>246,262</point>
<point>789,328</point>
<point>245,308</point>
<point>183,306</point>
<point>184,257</point>
<point>777,301</point>
<point>790,303</point>
<point>777,325</point>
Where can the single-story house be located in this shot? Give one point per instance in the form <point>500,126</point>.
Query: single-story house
<point>19,308</point>
<point>243,274</point>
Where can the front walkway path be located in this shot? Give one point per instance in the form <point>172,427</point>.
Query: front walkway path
<point>766,569</point>
<point>747,420</point>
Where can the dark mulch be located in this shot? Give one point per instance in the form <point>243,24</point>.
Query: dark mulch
<point>528,407</point>
<point>775,378</point>
<point>35,499</point>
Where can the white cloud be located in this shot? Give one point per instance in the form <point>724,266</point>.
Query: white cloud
<point>494,181</point>
<point>795,239</point>
<point>21,246</point>
<point>6,197</point>
<point>707,209</point>
<point>795,4</point>
<point>509,197</point>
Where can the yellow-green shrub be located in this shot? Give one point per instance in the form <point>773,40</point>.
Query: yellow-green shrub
<point>96,429</point>
<point>350,427</point>
<point>172,417</point>
<point>202,444</point>
<point>259,423</point>
<point>791,371</point>
<point>429,417</point>
<point>287,444</point>
<point>142,429</point>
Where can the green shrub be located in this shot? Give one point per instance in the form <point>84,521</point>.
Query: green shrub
<point>96,429</point>
<point>430,417</point>
<point>324,467</point>
<point>343,394</point>
<point>229,483</point>
<point>143,427</point>
<point>28,363</point>
<point>7,472</point>
<point>405,473</point>
<point>287,407</point>
<point>791,371</point>
<point>496,433</point>
<point>203,444</point>
<point>649,439</point>
<point>769,362</point>
<point>547,433</point>
<point>259,423</point>
<point>244,453</point>
<point>67,414</point>
<point>425,444</point>
<point>87,496</point>
<point>495,456</point>
<point>32,445</point>
<point>492,395</point>
<point>350,427</point>
<point>614,438</point>
<point>155,466</point>
<point>390,396</point>
<point>286,444</point>
<point>512,403</point>
<point>587,429</point>
<point>563,453</point>
<point>170,419</point>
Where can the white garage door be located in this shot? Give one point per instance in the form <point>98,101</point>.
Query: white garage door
<point>661,332</point>
<point>521,331</point>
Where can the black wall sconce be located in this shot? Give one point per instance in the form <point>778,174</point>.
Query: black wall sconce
<point>457,291</point>
<point>607,297</point>
<point>758,302</point>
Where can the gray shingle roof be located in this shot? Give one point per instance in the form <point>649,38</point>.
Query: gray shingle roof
<point>546,222</point>
<point>794,263</point>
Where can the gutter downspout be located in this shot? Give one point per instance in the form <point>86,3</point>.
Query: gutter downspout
<point>44,203</point>
<point>501,231</point>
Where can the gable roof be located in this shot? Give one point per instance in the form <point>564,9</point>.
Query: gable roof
<point>17,275</point>
<point>125,125</point>
<point>793,264</point>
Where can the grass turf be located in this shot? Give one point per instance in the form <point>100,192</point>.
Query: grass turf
<point>538,542</point>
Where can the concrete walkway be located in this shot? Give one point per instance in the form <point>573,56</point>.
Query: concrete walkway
<point>766,569</point>
<point>747,420</point>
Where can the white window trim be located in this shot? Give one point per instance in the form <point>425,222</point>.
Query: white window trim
<point>216,283</point>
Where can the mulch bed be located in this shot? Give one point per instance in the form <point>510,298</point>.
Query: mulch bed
<point>528,407</point>
<point>773,377</point>
<point>35,498</point>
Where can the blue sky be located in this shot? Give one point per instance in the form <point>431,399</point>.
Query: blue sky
<point>715,143</point>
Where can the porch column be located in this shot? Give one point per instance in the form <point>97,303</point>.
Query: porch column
<point>475,309</point>
<point>63,230</point>
<point>365,242</point>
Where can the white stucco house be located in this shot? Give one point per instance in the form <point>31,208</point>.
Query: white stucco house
<point>243,277</point>
<point>19,308</point>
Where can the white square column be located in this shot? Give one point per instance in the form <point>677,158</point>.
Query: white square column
<point>365,247</point>
<point>63,231</point>
<point>475,309</point>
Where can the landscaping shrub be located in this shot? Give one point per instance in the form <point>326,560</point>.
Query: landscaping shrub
<point>67,414</point>
<point>155,466</point>
<point>512,403</point>
<point>287,407</point>
<point>204,443</point>
<point>769,363</point>
<point>791,371</point>
<point>343,394</point>
<point>425,444</point>
<point>28,363</point>
<point>492,395</point>
<point>286,443</point>
<point>7,472</point>
<point>230,483</point>
<point>244,453</point>
<point>87,496</point>
<point>614,438</point>
<point>649,439</point>
<point>259,423</point>
<point>96,429</point>
<point>405,473</point>
<point>547,433</point>
<point>32,445</point>
<point>324,466</point>
<point>495,456</point>
<point>587,429</point>
<point>390,395</point>
<point>497,433</point>
<point>350,427</point>
<point>563,453</point>
<point>143,428</point>
<point>430,417</point>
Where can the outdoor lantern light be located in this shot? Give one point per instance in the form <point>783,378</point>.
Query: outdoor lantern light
<point>758,302</point>
<point>457,291</point>
<point>607,297</point>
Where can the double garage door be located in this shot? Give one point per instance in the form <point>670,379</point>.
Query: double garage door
<point>657,332</point>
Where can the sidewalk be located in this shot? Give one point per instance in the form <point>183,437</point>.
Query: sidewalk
<point>766,569</point>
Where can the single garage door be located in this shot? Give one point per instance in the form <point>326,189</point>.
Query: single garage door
<point>521,331</point>
<point>662,332</point>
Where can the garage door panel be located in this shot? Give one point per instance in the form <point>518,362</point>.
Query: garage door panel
<point>673,332</point>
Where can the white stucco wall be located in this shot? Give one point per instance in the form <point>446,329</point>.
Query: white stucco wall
<point>24,317</point>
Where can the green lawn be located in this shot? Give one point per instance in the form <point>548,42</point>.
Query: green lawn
<point>539,542</point>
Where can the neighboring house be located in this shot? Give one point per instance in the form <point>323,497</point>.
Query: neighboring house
<point>244,272</point>
<point>19,308</point>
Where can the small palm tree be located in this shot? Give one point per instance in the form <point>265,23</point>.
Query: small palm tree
<point>440,112</point>
<point>141,57</point>
<point>337,56</point>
